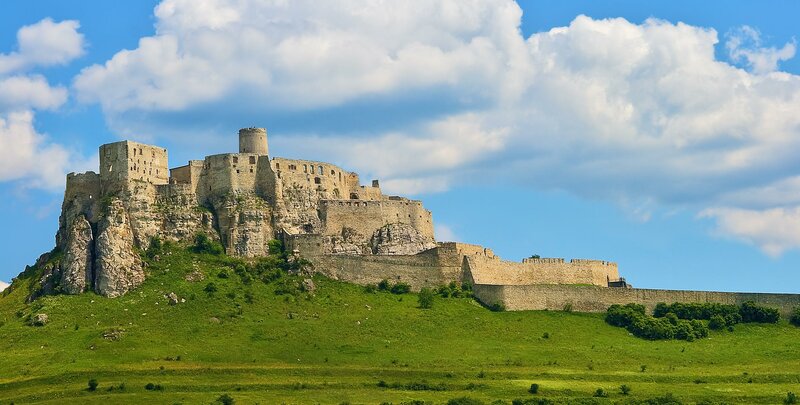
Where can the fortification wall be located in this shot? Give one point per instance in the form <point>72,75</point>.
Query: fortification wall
<point>485,270</point>
<point>598,299</point>
<point>127,161</point>
<point>422,270</point>
<point>367,216</point>
<point>329,180</point>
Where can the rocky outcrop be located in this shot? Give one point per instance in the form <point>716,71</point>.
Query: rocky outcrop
<point>399,239</point>
<point>245,225</point>
<point>350,242</point>
<point>76,265</point>
<point>118,268</point>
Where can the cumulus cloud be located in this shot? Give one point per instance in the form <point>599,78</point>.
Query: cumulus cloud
<point>25,153</point>
<point>45,43</point>
<point>3,285</point>
<point>744,46</point>
<point>773,230</point>
<point>641,114</point>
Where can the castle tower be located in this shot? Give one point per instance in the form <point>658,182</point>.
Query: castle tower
<point>253,140</point>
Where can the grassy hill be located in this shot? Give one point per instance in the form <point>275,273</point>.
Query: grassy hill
<point>344,345</point>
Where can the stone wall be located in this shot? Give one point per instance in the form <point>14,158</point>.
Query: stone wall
<point>486,270</point>
<point>330,181</point>
<point>127,161</point>
<point>367,216</point>
<point>598,299</point>
<point>426,269</point>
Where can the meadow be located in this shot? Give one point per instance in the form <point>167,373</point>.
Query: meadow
<point>343,344</point>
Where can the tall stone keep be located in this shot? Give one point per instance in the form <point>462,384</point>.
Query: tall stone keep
<point>253,140</point>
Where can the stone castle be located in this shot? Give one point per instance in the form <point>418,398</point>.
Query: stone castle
<point>320,211</point>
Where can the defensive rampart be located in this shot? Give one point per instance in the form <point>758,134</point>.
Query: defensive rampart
<point>493,271</point>
<point>598,299</point>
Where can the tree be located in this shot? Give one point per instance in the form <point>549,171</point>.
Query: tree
<point>92,384</point>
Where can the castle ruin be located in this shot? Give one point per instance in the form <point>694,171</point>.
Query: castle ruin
<point>320,211</point>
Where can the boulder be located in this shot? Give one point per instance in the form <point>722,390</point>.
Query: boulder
<point>39,320</point>
<point>399,239</point>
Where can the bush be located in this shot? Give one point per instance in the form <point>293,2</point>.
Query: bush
<point>534,389</point>
<point>752,312</point>
<point>153,387</point>
<point>384,285</point>
<point>600,393</point>
<point>464,401</point>
<point>202,244</point>
<point>791,398</point>
<point>155,247</point>
<point>370,288</point>
<point>697,310</point>
<point>210,288</point>
<point>275,247</point>
<point>624,389</point>
<point>226,399</point>
<point>717,322</point>
<point>400,288</point>
<point>669,326</point>
<point>425,298</point>
<point>497,307</point>
<point>794,319</point>
<point>92,385</point>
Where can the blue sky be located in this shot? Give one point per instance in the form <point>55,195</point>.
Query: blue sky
<point>660,135</point>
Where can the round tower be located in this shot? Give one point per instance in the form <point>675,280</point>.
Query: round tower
<point>253,140</point>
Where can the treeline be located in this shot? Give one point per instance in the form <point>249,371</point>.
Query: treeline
<point>686,321</point>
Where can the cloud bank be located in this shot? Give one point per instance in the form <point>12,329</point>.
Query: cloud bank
<point>26,154</point>
<point>606,109</point>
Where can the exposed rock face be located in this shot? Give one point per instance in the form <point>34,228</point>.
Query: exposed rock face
<point>76,266</point>
<point>399,239</point>
<point>245,223</point>
<point>349,243</point>
<point>118,268</point>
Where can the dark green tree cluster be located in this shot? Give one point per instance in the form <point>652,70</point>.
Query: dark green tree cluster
<point>455,290</point>
<point>398,288</point>
<point>634,318</point>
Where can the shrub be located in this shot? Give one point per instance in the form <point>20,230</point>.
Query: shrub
<point>288,286</point>
<point>624,389</point>
<point>155,247</point>
<point>275,247</point>
<point>752,312</point>
<point>717,322</point>
<point>92,385</point>
<point>153,387</point>
<point>497,307</point>
<point>425,298</point>
<point>210,288</point>
<point>384,285</point>
<point>534,389</point>
<point>791,398</point>
<point>400,288</point>
<point>600,393</point>
<point>794,319</point>
<point>697,310</point>
<point>226,399</point>
<point>202,244</point>
<point>370,288</point>
<point>464,401</point>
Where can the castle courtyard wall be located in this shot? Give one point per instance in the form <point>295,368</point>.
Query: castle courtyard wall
<point>598,299</point>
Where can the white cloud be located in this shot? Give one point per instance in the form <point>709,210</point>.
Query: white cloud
<point>642,114</point>
<point>45,43</point>
<point>444,233</point>
<point>26,154</point>
<point>773,230</point>
<point>3,285</point>
<point>744,46</point>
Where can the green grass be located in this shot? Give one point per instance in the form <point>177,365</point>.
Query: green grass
<point>337,345</point>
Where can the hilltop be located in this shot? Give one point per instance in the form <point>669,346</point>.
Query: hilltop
<point>258,337</point>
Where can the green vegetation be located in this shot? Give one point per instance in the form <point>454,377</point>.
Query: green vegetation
<point>425,298</point>
<point>684,321</point>
<point>259,337</point>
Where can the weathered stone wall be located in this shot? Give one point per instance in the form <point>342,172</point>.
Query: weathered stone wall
<point>598,299</point>
<point>253,140</point>
<point>126,161</point>
<point>422,270</point>
<point>329,181</point>
<point>367,216</point>
<point>486,270</point>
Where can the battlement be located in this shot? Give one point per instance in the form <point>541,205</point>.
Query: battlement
<point>126,161</point>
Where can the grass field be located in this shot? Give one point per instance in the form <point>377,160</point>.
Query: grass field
<point>344,345</point>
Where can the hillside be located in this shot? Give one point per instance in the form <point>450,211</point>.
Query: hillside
<point>338,344</point>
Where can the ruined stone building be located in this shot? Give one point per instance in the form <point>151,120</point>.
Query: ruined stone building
<point>320,211</point>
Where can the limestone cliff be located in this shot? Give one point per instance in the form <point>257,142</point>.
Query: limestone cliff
<point>76,266</point>
<point>118,267</point>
